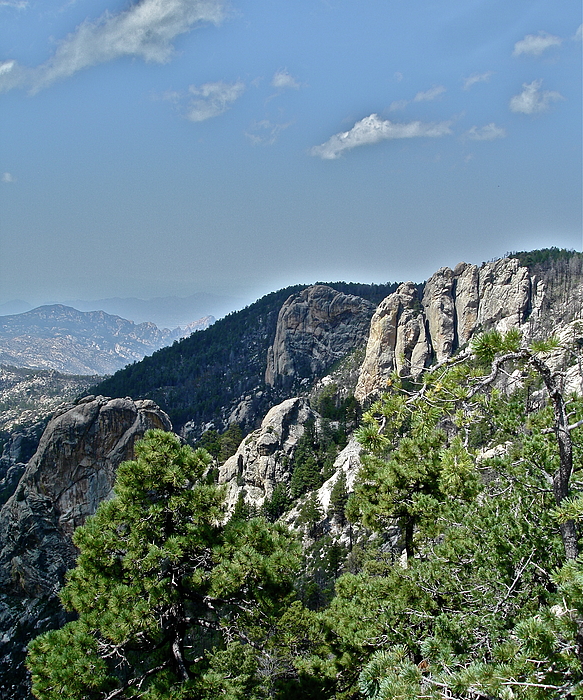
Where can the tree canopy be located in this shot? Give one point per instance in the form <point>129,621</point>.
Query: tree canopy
<point>171,602</point>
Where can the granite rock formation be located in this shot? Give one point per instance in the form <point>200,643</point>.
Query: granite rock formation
<point>315,327</point>
<point>72,471</point>
<point>407,333</point>
<point>263,458</point>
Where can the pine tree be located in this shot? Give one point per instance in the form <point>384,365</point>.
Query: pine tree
<point>171,603</point>
<point>338,499</point>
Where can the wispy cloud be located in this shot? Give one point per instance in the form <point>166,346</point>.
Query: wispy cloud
<point>8,177</point>
<point>536,44</point>
<point>398,104</point>
<point>477,78</point>
<point>579,33</point>
<point>489,132</point>
<point>282,80</point>
<point>16,4</point>
<point>265,132</point>
<point>424,96</point>
<point>372,130</point>
<point>146,30</point>
<point>532,100</point>
<point>429,95</point>
<point>211,99</point>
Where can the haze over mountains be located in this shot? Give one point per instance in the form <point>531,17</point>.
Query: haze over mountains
<point>166,312</point>
<point>62,338</point>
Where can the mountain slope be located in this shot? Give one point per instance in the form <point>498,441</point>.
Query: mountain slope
<point>205,376</point>
<point>61,338</point>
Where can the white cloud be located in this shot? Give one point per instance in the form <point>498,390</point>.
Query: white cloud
<point>490,132</point>
<point>212,99</point>
<point>531,100</point>
<point>431,94</point>
<point>477,78</point>
<point>17,4</point>
<point>146,30</point>
<point>282,79</point>
<point>372,130</point>
<point>579,33</point>
<point>536,45</point>
<point>8,177</point>
<point>265,133</point>
<point>6,67</point>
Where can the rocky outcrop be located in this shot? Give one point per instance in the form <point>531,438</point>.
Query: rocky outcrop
<point>263,459</point>
<point>458,303</point>
<point>18,449</point>
<point>315,327</point>
<point>72,471</point>
<point>397,340</point>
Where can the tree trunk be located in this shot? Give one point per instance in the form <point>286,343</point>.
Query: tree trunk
<point>563,474</point>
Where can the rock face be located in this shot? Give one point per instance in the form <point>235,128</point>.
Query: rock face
<point>72,471</point>
<point>407,333</point>
<point>397,339</point>
<point>314,329</point>
<point>263,458</point>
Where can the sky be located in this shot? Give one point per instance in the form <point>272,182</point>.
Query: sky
<point>171,147</point>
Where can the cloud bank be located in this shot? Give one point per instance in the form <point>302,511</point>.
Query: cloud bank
<point>536,45</point>
<point>212,99</point>
<point>146,30</point>
<point>372,130</point>
<point>490,132</point>
<point>532,101</point>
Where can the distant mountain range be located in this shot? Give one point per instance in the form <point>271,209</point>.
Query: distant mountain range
<point>166,312</point>
<point>76,342</point>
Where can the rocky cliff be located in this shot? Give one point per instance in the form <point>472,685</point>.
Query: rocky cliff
<point>71,472</point>
<point>263,458</point>
<point>410,330</point>
<point>315,327</point>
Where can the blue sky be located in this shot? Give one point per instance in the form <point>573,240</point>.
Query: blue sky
<point>177,146</point>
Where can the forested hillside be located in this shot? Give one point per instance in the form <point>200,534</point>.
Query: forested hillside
<point>194,379</point>
<point>459,577</point>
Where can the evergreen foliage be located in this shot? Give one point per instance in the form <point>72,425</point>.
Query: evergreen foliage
<point>193,379</point>
<point>171,603</point>
<point>482,599</point>
<point>542,257</point>
<point>314,456</point>
<point>479,464</point>
<point>278,504</point>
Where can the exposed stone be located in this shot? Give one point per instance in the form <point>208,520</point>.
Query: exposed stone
<point>459,303</point>
<point>397,340</point>
<point>504,294</point>
<point>72,471</point>
<point>263,459</point>
<point>440,312</point>
<point>314,329</point>
<point>466,301</point>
